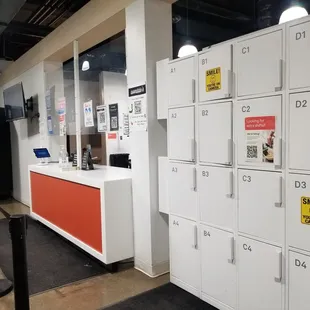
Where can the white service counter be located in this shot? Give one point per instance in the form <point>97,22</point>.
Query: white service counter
<point>92,209</point>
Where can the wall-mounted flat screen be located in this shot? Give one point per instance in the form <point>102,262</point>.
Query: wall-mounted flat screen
<point>14,103</point>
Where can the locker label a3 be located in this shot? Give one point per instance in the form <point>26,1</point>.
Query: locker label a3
<point>305,210</point>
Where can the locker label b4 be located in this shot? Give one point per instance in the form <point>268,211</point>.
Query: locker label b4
<point>213,79</point>
<point>305,210</point>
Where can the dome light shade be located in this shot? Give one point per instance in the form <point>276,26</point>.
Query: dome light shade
<point>187,49</point>
<point>85,65</point>
<point>291,13</point>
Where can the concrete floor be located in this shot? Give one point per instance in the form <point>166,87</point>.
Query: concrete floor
<point>90,294</point>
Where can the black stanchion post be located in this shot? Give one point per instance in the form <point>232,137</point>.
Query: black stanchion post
<point>18,228</point>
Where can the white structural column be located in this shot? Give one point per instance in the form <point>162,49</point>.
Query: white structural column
<point>148,39</point>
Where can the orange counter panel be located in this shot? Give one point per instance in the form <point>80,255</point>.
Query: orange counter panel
<point>73,207</point>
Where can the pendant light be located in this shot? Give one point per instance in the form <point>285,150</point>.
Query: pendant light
<point>292,13</point>
<point>188,48</point>
<point>85,65</point>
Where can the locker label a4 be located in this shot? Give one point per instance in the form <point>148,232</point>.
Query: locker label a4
<point>213,79</point>
<point>305,210</point>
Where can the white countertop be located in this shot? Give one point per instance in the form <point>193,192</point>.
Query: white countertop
<point>94,178</point>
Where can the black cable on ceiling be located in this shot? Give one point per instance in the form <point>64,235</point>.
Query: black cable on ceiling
<point>50,11</point>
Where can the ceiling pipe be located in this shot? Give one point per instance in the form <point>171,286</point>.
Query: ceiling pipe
<point>30,20</point>
<point>57,6</point>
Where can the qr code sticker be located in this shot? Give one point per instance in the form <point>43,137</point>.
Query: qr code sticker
<point>138,107</point>
<point>252,151</point>
<point>101,117</point>
<point>114,123</point>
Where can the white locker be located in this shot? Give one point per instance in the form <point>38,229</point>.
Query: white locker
<point>218,268</point>
<point>184,253</point>
<point>298,211</point>
<point>260,64</point>
<point>298,281</point>
<point>299,130</point>
<point>258,126</point>
<point>259,275</point>
<point>215,73</point>
<point>299,45</point>
<point>261,209</point>
<point>181,82</point>
<point>182,190</point>
<point>215,189</point>
<point>215,133</point>
<point>181,134</point>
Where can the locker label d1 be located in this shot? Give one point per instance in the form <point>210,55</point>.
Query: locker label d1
<point>300,35</point>
<point>305,210</point>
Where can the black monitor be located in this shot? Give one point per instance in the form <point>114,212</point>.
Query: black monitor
<point>14,103</point>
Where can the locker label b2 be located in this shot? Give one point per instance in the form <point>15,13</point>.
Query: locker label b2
<point>305,210</point>
<point>213,79</point>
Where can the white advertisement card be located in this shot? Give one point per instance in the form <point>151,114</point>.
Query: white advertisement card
<point>88,114</point>
<point>102,118</point>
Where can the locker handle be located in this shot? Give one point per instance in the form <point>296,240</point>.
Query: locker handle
<point>195,237</point>
<point>279,203</point>
<point>232,250</point>
<point>193,90</point>
<point>231,185</point>
<point>278,150</point>
<point>193,147</point>
<point>229,83</point>
<point>230,152</point>
<point>278,277</point>
<point>194,188</point>
<point>280,76</point>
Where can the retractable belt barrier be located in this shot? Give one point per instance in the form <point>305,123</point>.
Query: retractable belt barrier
<point>18,232</point>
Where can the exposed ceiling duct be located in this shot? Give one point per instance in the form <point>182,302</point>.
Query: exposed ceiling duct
<point>8,9</point>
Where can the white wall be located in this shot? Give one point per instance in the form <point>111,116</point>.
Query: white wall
<point>26,135</point>
<point>114,90</point>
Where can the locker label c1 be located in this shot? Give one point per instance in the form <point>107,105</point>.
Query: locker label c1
<point>213,79</point>
<point>305,210</point>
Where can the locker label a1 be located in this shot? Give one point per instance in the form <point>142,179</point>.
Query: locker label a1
<point>213,79</point>
<point>305,210</point>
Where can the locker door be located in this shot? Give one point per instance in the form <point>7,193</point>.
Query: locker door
<point>261,211</point>
<point>181,134</point>
<point>299,130</point>
<point>218,268</point>
<point>299,281</point>
<point>181,82</point>
<point>215,196</point>
<point>298,212</point>
<point>299,46</point>
<point>184,253</point>
<point>259,132</point>
<point>182,190</point>
<point>215,133</point>
<point>260,275</point>
<point>215,73</point>
<point>259,64</point>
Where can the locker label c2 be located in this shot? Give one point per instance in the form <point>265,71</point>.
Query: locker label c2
<point>305,210</point>
<point>213,79</point>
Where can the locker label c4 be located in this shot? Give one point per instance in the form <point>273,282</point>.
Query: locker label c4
<point>305,210</point>
<point>213,79</point>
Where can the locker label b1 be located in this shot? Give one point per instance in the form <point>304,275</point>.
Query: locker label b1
<point>305,210</point>
<point>213,79</point>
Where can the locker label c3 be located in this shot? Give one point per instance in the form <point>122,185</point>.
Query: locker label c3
<point>213,79</point>
<point>305,210</point>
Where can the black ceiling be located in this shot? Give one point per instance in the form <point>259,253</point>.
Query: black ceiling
<point>209,21</point>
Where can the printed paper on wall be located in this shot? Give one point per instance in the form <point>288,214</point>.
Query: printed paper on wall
<point>260,133</point>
